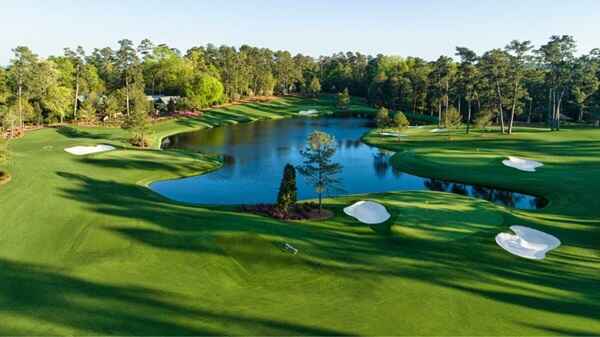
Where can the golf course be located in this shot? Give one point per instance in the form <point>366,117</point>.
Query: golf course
<point>86,248</point>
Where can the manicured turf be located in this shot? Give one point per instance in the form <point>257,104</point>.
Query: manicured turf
<point>86,249</point>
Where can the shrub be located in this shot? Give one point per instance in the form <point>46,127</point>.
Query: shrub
<point>483,119</point>
<point>343,99</point>
<point>452,118</point>
<point>382,118</point>
<point>137,140</point>
<point>287,190</point>
<point>400,120</point>
<point>414,118</point>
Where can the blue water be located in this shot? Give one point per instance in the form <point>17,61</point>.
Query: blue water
<point>256,153</point>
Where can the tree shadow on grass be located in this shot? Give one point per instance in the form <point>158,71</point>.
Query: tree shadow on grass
<point>473,264</point>
<point>557,330</point>
<point>72,132</point>
<point>146,164</point>
<point>50,297</point>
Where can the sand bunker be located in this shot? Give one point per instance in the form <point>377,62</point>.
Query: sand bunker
<point>83,150</point>
<point>522,164</point>
<point>527,242</point>
<point>310,112</point>
<point>436,130</point>
<point>368,212</point>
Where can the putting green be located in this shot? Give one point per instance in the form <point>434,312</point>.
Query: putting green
<point>87,249</point>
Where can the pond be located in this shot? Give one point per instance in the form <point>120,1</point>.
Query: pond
<point>255,154</point>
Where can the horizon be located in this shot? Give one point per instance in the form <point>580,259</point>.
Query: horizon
<point>426,30</point>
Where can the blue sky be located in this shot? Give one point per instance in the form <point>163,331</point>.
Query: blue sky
<point>425,28</point>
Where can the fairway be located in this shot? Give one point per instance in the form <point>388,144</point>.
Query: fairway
<point>87,249</point>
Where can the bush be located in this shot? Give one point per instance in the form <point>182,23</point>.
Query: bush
<point>452,118</point>
<point>483,119</point>
<point>382,118</point>
<point>287,190</point>
<point>400,120</point>
<point>137,140</point>
<point>343,99</point>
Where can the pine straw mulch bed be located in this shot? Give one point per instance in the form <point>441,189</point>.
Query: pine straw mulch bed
<point>304,211</point>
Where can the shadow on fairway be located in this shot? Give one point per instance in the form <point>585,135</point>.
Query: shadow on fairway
<point>472,264</point>
<point>48,296</point>
<point>73,132</point>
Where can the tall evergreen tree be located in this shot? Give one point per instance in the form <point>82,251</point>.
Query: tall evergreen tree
<point>468,78</point>
<point>127,62</point>
<point>288,192</point>
<point>558,57</point>
<point>518,61</point>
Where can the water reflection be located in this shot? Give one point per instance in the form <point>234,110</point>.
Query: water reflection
<point>255,154</point>
<point>507,198</point>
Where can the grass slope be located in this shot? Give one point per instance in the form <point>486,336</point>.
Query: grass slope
<point>85,249</point>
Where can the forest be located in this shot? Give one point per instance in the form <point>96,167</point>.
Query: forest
<point>517,82</point>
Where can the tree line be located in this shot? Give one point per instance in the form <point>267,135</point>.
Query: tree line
<point>515,82</point>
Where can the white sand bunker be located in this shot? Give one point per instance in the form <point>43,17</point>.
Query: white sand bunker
<point>527,242</point>
<point>368,212</point>
<point>522,164</point>
<point>83,150</point>
<point>310,112</point>
<point>436,130</point>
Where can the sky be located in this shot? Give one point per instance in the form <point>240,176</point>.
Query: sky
<point>425,28</point>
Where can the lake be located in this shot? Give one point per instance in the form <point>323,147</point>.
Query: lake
<point>255,154</point>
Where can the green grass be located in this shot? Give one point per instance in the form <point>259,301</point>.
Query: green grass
<point>86,249</point>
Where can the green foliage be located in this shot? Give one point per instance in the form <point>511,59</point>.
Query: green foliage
<point>111,105</point>
<point>415,118</point>
<point>343,99</point>
<point>452,118</point>
<point>382,118</point>
<point>4,88</point>
<point>400,120</point>
<point>203,91</point>
<point>87,111</point>
<point>317,166</point>
<point>58,101</point>
<point>288,193</point>
<point>484,119</point>
<point>138,121</point>
<point>314,87</point>
<point>507,80</point>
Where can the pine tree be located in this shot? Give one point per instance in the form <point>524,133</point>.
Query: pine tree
<point>317,167</point>
<point>288,193</point>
